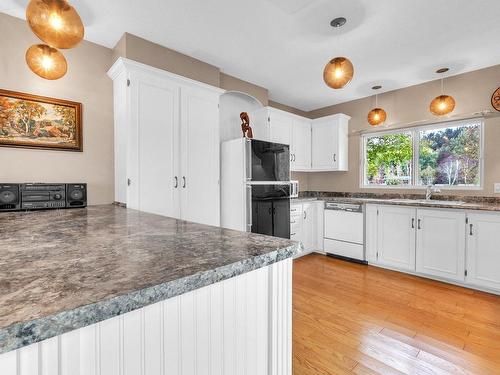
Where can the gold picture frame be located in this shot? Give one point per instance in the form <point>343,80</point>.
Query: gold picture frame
<point>32,121</point>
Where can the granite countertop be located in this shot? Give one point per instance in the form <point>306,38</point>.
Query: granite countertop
<point>65,269</point>
<point>482,206</point>
<point>469,203</point>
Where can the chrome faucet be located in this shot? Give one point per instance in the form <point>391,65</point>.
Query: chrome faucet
<point>430,190</point>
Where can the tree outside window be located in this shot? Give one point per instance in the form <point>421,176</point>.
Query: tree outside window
<point>447,156</point>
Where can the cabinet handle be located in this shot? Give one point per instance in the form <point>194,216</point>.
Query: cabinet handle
<point>183,182</point>
<point>305,215</point>
<point>293,234</point>
<point>176,182</point>
<point>294,157</point>
<point>129,182</point>
<point>418,225</point>
<point>334,158</point>
<point>471,231</point>
<point>291,157</point>
<point>292,222</point>
<point>270,211</point>
<point>413,223</point>
<point>274,211</point>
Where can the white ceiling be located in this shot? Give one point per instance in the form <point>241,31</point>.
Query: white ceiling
<point>283,45</point>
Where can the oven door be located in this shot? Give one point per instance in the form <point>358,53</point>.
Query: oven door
<point>270,161</point>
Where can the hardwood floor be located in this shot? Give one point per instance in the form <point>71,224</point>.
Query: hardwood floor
<point>355,319</point>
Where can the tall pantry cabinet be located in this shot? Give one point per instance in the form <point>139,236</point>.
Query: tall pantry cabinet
<point>166,143</point>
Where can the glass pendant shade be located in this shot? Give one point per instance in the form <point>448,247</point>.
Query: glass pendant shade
<point>442,105</point>
<point>55,22</point>
<point>46,62</point>
<point>338,72</point>
<point>377,116</point>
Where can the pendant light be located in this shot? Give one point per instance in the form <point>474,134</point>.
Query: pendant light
<point>55,22</point>
<point>46,62</point>
<point>376,116</point>
<point>338,71</point>
<point>443,104</point>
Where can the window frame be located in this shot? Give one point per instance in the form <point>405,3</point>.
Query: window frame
<point>416,155</point>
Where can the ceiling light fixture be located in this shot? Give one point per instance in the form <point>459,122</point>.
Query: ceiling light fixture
<point>443,104</point>
<point>55,22</point>
<point>376,116</point>
<point>338,71</point>
<point>46,62</point>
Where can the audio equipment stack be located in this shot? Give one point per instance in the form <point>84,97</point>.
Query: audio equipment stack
<point>39,196</point>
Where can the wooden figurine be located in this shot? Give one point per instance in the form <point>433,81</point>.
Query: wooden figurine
<point>245,126</point>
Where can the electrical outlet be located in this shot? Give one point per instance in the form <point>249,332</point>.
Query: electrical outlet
<point>497,188</point>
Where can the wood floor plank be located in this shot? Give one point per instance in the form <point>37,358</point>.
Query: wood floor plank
<point>356,319</point>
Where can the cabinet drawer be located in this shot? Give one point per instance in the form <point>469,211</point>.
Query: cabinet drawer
<point>345,249</point>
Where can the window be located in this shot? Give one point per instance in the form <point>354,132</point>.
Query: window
<point>447,155</point>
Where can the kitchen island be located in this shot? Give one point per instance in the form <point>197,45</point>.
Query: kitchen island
<point>109,290</point>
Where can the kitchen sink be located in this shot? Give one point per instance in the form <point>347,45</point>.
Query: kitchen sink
<point>428,201</point>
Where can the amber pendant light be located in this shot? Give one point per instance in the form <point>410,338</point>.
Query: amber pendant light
<point>339,71</point>
<point>377,115</point>
<point>443,104</point>
<point>55,22</point>
<point>45,61</point>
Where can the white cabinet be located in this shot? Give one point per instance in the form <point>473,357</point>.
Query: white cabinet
<point>280,127</point>
<point>396,237</point>
<point>441,243</point>
<point>300,148</point>
<point>483,250</point>
<point>330,143</point>
<point>166,143</point>
<point>306,224</point>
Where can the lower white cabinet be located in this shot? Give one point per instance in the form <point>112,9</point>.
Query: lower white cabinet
<point>483,250</point>
<point>455,245</point>
<point>440,243</point>
<point>306,224</point>
<point>396,237</point>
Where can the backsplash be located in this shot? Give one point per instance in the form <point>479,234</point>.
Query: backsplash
<point>332,194</point>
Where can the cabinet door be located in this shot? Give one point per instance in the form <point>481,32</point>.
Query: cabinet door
<point>483,250</point>
<point>262,217</point>
<point>301,145</point>
<point>396,237</point>
<point>324,146</point>
<point>371,232</point>
<point>280,127</point>
<point>281,218</point>
<point>153,144</point>
<point>441,243</point>
<point>199,179</point>
<point>309,226</point>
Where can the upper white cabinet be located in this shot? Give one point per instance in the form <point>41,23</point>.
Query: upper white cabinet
<point>483,250</point>
<point>396,237</point>
<point>330,143</point>
<point>440,243</point>
<point>301,145</point>
<point>315,145</point>
<point>166,143</point>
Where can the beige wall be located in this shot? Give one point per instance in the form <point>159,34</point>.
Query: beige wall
<point>472,92</point>
<point>85,82</point>
<point>287,108</point>
<point>142,50</point>
<point>231,83</point>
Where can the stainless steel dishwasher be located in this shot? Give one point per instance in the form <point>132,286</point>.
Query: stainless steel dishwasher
<point>344,231</point>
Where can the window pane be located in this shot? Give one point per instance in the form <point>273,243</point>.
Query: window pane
<point>388,159</point>
<point>450,156</point>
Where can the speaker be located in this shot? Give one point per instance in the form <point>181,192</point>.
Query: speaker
<point>76,195</point>
<point>9,197</point>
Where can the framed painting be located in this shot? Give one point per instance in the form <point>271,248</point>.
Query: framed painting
<point>32,121</point>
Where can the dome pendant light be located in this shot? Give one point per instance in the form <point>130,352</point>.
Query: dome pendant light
<point>443,104</point>
<point>338,71</point>
<point>55,22</point>
<point>376,116</point>
<point>46,62</point>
